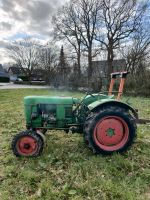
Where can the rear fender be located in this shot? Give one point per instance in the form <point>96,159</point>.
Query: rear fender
<point>97,105</point>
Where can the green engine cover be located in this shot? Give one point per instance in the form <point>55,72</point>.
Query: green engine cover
<point>57,112</point>
<point>50,112</point>
<point>49,100</point>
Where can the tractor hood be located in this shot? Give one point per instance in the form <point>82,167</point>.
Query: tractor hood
<point>32,100</point>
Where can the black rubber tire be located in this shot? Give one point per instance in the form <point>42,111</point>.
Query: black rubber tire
<point>93,119</point>
<point>33,134</point>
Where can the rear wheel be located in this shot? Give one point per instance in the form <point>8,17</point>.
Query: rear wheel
<point>28,144</point>
<point>110,130</point>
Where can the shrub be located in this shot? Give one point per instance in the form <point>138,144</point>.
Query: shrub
<point>4,79</point>
<point>138,85</point>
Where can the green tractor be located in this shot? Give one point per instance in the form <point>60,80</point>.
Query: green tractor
<point>108,125</point>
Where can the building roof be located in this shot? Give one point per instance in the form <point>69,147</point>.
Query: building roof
<point>14,70</point>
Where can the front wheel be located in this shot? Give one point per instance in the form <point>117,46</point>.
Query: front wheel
<point>27,144</point>
<point>110,130</point>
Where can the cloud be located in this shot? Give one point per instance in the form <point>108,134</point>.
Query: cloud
<point>26,17</point>
<point>5,26</point>
<point>3,43</point>
<point>7,5</point>
<point>39,11</point>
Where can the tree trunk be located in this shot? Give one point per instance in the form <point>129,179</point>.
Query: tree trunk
<point>79,63</point>
<point>110,58</point>
<point>89,64</point>
<point>29,76</point>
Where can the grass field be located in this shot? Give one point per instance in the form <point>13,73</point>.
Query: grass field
<point>67,169</point>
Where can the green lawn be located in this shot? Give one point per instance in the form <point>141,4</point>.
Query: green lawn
<point>67,169</point>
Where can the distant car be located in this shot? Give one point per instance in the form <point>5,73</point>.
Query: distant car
<point>18,80</point>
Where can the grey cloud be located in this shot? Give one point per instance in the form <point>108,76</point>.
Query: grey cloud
<point>7,5</point>
<point>5,26</point>
<point>20,16</point>
<point>39,13</point>
<point>39,10</point>
<point>42,28</point>
<point>4,44</point>
<point>22,3</point>
<point>35,12</point>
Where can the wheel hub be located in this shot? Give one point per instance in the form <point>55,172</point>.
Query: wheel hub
<point>111,133</point>
<point>26,146</point>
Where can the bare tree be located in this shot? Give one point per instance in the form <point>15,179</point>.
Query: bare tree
<point>77,22</point>
<point>86,17</point>
<point>65,27</point>
<point>119,19</point>
<point>26,54</point>
<point>136,54</point>
<point>49,61</point>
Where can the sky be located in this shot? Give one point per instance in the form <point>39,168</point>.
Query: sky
<point>22,18</point>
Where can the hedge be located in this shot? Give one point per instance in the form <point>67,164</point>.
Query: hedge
<point>4,79</point>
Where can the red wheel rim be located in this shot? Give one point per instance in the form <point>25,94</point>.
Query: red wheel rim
<point>27,145</point>
<point>111,133</point>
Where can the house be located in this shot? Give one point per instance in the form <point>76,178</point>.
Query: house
<point>100,68</point>
<point>15,72</point>
<point>99,71</point>
<point>38,75</point>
